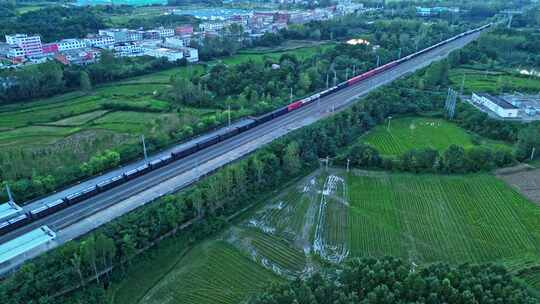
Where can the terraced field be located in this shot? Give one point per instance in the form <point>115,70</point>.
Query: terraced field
<point>418,132</point>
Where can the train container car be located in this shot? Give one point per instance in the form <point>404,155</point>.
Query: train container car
<point>264,118</point>
<point>208,142</point>
<point>228,134</point>
<point>131,174</point>
<point>5,227</point>
<point>246,124</point>
<point>57,205</point>
<point>74,198</point>
<point>190,149</point>
<point>40,212</point>
<point>167,159</point>
<point>342,85</point>
<point>89,192</point>
<point>110,183</point>
<point>143,169</point>
<point>280,112</point>
<point>295,105</point>
<point>19,221</point>
<point>156,163</point>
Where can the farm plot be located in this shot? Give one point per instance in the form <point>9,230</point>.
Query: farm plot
<point>428,218</point>
<point>331,231</point>
<point>213,272</point>
<point>272,252</point>
<point>417,132</point>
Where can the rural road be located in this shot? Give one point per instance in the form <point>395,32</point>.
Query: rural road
<point>91,213</point>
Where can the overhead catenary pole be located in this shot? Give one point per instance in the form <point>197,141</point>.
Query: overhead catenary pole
<point>290,96</point>
<point>378,60</point>
<point>10,196</point>
<point>462,85</point>
<point>229,115</point>
<point>389,119</point>
<point>327,80</point>
<point>348,162</point>
<point>532,152</point>
<point>144,149</point>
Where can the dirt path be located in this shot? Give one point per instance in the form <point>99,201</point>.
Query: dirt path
<point>524,179</point>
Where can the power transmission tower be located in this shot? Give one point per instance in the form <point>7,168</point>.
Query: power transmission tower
<point>450,104</point>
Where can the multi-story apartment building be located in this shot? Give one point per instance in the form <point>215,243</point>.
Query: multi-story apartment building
<point>171,55</point>
<point>128,49</point>
<point>70,44</point>
<point>184,30</point>
<point>165,32</point>
<point>100,41</point>
<point>31,45</point>
<point>122,35</point>
<point>15,52</point>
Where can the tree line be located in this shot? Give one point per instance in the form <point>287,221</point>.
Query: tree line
<point>390,280</point>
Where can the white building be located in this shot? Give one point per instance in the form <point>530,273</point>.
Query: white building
<point>128,49</point>
<point>31,45</point>
<point>122,35</point>
<point>175,42</point>
<point>212,26</point>
<point>171,55</point>
<point>191,54</point>
<point>70,44</point>
<point>15,52</point>
<point>100,41</point>
<point>165,32</point>
<point>497,105</point>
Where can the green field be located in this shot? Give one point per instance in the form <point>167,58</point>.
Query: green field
<point>213,272</point>
<point>330,217</point>
<point>492,82</point>
<point>21,125</point>
<point>418,132</point>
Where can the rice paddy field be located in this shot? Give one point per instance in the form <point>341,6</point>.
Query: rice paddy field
<point>420,132</point>
<point>331,216</point>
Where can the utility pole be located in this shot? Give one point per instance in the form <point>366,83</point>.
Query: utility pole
<point>327,163</point>
<point>10,196</point>
<point>290,97</point>
<point>229,115</point>
<point>335,77</point>
<point>462,85</point>
<point>327,80</point>
<point>144,149</point>
<point>532,152</point>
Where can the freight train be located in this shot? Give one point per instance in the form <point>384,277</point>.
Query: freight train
<point>202,143</point>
